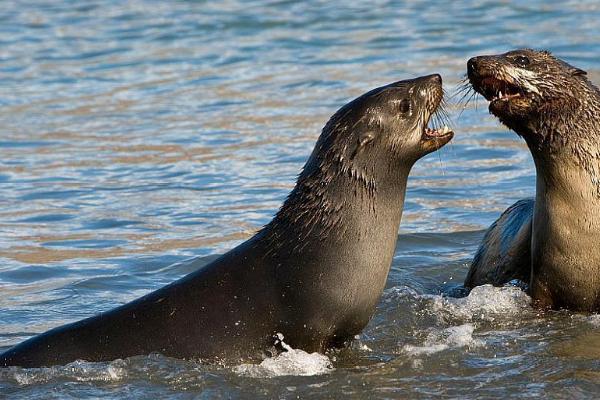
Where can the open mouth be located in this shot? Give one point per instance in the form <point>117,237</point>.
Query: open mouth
<point>440,133</point>
<point>494,89</point>
<point>435,132</point>
<point>437,118</point>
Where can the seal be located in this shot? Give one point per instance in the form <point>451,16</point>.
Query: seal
<point>550,242</point>
<point>314,273</point>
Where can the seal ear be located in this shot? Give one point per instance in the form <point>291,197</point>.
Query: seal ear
<point>363,139</point>
<point>578,72</point>
<point>574,70</point>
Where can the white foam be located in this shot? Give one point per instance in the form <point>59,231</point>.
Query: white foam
<point>458,318</point>
<point>439,340</point>
<point>289,362</point>
<point>358,345</point>
<point>399,292</point>
<point>81,371</point>
<point>594,319</point>
<point>484,303</point>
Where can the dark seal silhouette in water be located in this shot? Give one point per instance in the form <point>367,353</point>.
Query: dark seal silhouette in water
<point>314,273</point>
<point>551,242</point>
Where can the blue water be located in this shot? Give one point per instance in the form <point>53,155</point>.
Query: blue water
<point>135,135</point>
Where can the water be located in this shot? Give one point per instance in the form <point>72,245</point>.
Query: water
<point>134,135</point>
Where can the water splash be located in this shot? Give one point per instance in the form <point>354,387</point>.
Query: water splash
<point>290,362</point>
<point>80,371</point>
<point>594,320</point>
<point>484,303</point>
<point>439,340</point>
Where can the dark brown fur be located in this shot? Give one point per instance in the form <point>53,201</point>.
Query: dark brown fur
<point>556,109</point>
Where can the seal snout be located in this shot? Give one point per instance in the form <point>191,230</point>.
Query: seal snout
<point>435,79</point>
<point>483,67</point>
<point>493,80</point>
<point>431,90</point>
<point>473,66</point>
<point>432,81</point>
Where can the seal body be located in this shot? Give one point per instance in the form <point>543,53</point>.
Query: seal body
<point>313,274</point>
<point>550,242</point>
<point>505,253</point>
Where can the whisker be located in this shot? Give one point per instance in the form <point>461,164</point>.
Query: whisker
<point>472,96</point>
<point>444,113</point>
<point>440,161</point>
<point>464,91</point>
<point>462,86</point>
<point>441,117</point>
<point>467,94</point>
<point>461,90</point>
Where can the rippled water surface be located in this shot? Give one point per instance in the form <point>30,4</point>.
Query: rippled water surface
<point>134,135</point>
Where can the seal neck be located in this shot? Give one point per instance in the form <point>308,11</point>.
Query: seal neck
<point>340,206</point>
<point>566,229</point>
<point>331,247</point>
<point>564,127</point>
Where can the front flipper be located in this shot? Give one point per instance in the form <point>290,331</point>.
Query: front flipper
<point>505,252</point>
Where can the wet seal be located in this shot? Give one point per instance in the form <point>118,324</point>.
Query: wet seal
<point>314,273</point>
<point>550,242</point>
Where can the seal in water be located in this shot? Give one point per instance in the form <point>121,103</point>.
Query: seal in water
<point>550,242</point>
<point>314,273</point>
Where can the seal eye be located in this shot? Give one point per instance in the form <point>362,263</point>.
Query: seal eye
<point>521,61</point>
<point>404,106</point>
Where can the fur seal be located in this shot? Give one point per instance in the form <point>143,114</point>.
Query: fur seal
<point>550,242</point>
<point>314,273</point>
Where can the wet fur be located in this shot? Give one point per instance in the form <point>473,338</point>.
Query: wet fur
<point>558,115</point>
<point>505,253</point>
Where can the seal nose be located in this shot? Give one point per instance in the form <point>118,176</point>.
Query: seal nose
<point>473,65</point>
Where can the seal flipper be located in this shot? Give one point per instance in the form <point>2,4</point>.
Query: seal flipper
<point>505,251</point>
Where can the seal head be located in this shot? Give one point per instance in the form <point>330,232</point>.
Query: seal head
<point>532,92</point>
<point>390,121</point>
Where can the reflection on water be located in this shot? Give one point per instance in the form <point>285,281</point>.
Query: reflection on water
<point>134,135</point>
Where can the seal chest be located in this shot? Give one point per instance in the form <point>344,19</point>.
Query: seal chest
<point>313,274</point>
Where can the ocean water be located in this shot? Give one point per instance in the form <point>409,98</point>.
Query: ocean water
<point>135,135</point>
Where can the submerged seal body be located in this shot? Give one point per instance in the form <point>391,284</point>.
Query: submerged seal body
<point>552,241</point>
<point>314,273</point>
